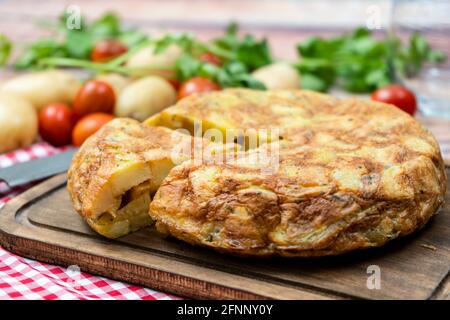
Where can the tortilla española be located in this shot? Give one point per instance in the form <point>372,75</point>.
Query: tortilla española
<point>351,174</point>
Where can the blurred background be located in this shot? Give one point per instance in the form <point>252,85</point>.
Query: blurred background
<point>343,47</point>
<point>284,24</point>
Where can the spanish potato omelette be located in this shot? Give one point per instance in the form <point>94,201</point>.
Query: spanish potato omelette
<point>351,174</point>
<point>114,174</point>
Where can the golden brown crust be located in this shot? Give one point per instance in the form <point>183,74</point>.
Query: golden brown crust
<point>119,145</point>
<point>352,175</point>
<point>117,159</point>
<point>118,169</point>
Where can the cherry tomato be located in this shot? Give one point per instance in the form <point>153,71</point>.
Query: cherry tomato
<point>94,96</point>
<point>55,124</point>
<point>88,125</point>
<point>196,85</point>
<point>398,96</point>
<point>105,50</point>
<point>211,58</point>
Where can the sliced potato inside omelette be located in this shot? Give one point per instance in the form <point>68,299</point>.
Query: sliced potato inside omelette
<point>116,172</point>
<point>248,117</point>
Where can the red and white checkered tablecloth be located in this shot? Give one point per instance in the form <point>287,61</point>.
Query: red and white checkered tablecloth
<point>22,278</point>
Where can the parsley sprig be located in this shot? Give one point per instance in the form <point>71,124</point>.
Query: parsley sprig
<point>355,61</point>
<point>5,49</point>
<point>72,48</point>
<point>240,56</point>
<point>77,43</point>
<point>358,62</point>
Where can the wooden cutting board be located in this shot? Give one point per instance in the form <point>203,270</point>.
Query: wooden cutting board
<point>42,225</point>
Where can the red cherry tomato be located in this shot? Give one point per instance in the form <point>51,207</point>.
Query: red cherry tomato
<point>211,58</point>
<point>196,85</point>
<point>55,124</point>
<point>398,96</point>
<point>89,125</point>
<point>105,50</point>
<point>94,96</point>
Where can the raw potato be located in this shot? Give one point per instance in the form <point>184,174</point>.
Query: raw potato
<point>18,122</point>
<point>279,75</point>
<point>117,81</point>
<point>44,87</point>
<point>147,58</point>
<point>145,97</point>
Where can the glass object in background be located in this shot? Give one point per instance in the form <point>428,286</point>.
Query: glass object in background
<point>431,20</point>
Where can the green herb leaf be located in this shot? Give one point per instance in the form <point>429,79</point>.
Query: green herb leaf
<point>79,44</point>
<point>40,50</point>
<point>5,49</point>
<point>313,82</point>
<point>317,69</point>
<point>358,62</point>
<point>246,80</point>
<point>107,26</point>
<point>187,67</point>
<point>252,53</point>
<point>436,56</point>
<point>249,51</point>
<point>235,74</point>
<point>132,38</point>
<point>186,41</point>
<point>377,78</point>
<point>232,29</point>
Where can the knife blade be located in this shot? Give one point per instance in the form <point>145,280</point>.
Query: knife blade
<point>33,170</point>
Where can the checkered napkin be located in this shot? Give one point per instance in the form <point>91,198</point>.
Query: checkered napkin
<point>22,278</point>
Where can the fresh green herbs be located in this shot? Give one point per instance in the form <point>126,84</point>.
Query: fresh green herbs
<point>250,52</point>
<point>5,49</point>
<point>358,62</point>
<point>185,41</point>
<point>410,59</point>
<point>239,58</point>
<point>78,43</point>
<point>230,74</point>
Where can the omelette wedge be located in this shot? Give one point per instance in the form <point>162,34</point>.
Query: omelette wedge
<point>116,171</point>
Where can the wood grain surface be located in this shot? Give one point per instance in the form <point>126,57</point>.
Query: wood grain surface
<point>42,225</point>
